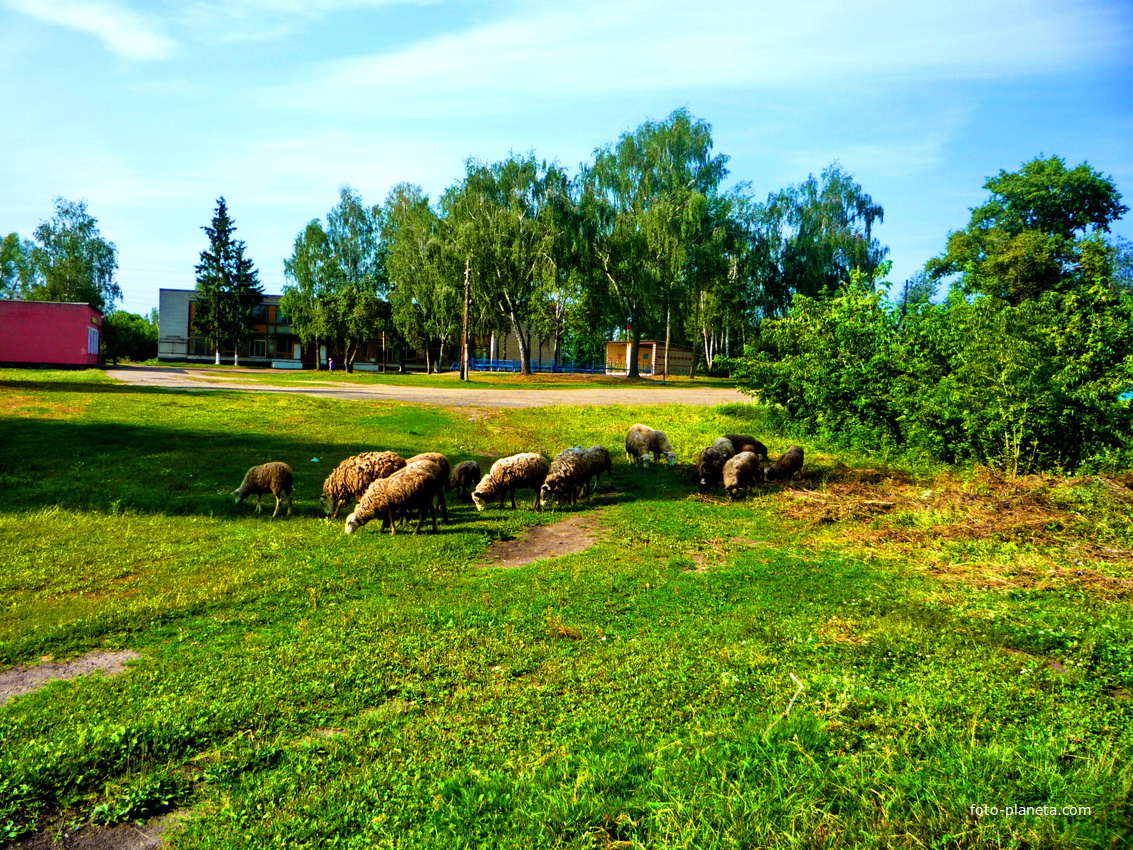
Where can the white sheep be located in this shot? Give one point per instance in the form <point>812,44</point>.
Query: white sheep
<point>274,478</point>
<point>527,470</point>
<point>645,445</point>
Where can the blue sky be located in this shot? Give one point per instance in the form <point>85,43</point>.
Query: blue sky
<point>149,111</point>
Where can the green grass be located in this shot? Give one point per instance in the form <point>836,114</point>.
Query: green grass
<point>302,688</point>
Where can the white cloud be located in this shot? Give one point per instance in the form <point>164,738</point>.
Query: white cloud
<point>590,48</point>
<point>119,28</point>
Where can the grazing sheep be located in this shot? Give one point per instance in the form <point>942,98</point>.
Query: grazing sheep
<point>790,462</point>
<point>569,473</point>
<point>414,487</point>
<point>710,464</point>
<point>746,443</point>
<point>442,464</point>
<point>350,478</point>
<point>643,441</point>
<point>600,461</point>
<point>740,472</point>
<point>274,478</point>
<point>465,476</point>
<point>522,471</point>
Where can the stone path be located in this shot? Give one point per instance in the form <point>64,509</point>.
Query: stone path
<point>229,379</point>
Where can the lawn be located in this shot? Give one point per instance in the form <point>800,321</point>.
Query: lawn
<point>874,656</point>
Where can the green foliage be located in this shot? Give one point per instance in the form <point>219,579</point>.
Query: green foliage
<point>228,286</point>
<point>128,336</point>
<point>1029,237</point>
<point>68,260</point>
<point>337,297</point>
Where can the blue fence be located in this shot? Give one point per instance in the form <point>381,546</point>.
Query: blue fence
<point>536,366</point>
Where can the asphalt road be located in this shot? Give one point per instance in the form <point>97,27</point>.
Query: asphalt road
<point>229,379</point>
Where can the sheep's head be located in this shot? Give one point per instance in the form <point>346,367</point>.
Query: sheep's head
<point>351,524</point>
<point>480,500</point>
<point>672,456</point>
<point>646,460</point>
<point>239,494</point>
<point>704,485</point>
<point>328,503</point>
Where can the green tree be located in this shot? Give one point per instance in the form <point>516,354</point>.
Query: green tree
<point>68,260</point>
<point>426,276</point>
<point>228,287</point>
<point>646,201</point>
<point>339,281</point>
<point>16,273</point>
<point>1028,237</point>
<point>128,336</point>
<point>504,221</point>
<point>814,236</point>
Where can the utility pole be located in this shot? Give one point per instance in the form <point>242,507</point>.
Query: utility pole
<point>464,360</point>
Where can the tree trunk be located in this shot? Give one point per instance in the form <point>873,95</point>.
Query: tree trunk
<point>634,351</point>
<point>218,355</point>
<point>668,327</point>
<point>494,347</point>
<point>524,346</point>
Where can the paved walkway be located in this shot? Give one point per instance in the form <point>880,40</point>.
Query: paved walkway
<point>230,379</point>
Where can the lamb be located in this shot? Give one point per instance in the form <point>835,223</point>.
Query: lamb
<point>349,480</point>
<point>569,473</point>
<point>740,472</point>
<point>710,464</point>
<point>641,441</point>
<point>465,476</point>
<point>746,443</point>
<point>274,478</point>
<point>790,462</point>
<point>527,471</point>
<point>414,487</point>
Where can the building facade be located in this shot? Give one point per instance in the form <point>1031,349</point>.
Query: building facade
<point>650,358</point>
<point>49,333</point>
<point>271,343</point>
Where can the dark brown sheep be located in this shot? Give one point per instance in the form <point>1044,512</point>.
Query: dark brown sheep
<point>740,472</point>
<point>274,478</point>
<point>465,476</point>
<point>788,463</point>
<point>710,464</point>
<point>746,443</point>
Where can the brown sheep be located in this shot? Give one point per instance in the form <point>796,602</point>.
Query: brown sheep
<point>442,464</point>
<point>274,478</point>
<point>790,462</point>
<point>600,461</point>
<point>740,472</point>
<point>527,470</point>
<point>710,464</point>
<point>569,473</point>
<point>746,443</point>
<point>349,480</point>
<point>465,476</point>
<point>413,487</point>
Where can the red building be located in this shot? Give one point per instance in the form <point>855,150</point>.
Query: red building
<point>48,333</point>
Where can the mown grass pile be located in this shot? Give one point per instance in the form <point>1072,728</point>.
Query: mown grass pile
<point>301,688</point>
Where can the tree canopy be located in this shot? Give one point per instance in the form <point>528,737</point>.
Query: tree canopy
<point>228,287</point>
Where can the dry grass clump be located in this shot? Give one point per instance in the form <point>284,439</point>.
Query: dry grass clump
<point>1030,531</point>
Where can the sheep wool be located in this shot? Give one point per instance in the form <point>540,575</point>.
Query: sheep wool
<point>710,464</point>
<point>569,473</point>
<point>600,461</point>
<point>465,476</point>
<point>790,462</point>
<point>413,487</point>
<point>746,443</point>
<point>443,470</point>
<point>349,480</point>
<point>526,471</point>
<point>740,472</point>
<point>645,445</point>
<point>274,478</point>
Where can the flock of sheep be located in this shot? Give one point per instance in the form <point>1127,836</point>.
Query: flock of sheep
<point>388,486</point>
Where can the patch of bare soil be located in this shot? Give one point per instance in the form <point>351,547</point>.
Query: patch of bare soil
<point>574,534</point>
<point>123,836</point>
<point>23,680</point>
<point>1021,532</point>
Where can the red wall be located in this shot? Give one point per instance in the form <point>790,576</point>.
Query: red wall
<point>36,332</point>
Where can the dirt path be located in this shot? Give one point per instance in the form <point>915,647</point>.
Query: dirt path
<point>196,379</point>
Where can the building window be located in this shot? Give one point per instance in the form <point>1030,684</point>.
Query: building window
<point>92,341</point>
<point>259,348</point>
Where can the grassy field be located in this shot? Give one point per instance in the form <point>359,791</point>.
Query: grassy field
<point>872,657</point>
<point>478,380</point>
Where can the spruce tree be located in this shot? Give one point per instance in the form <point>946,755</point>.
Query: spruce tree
<point>228,287</point>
